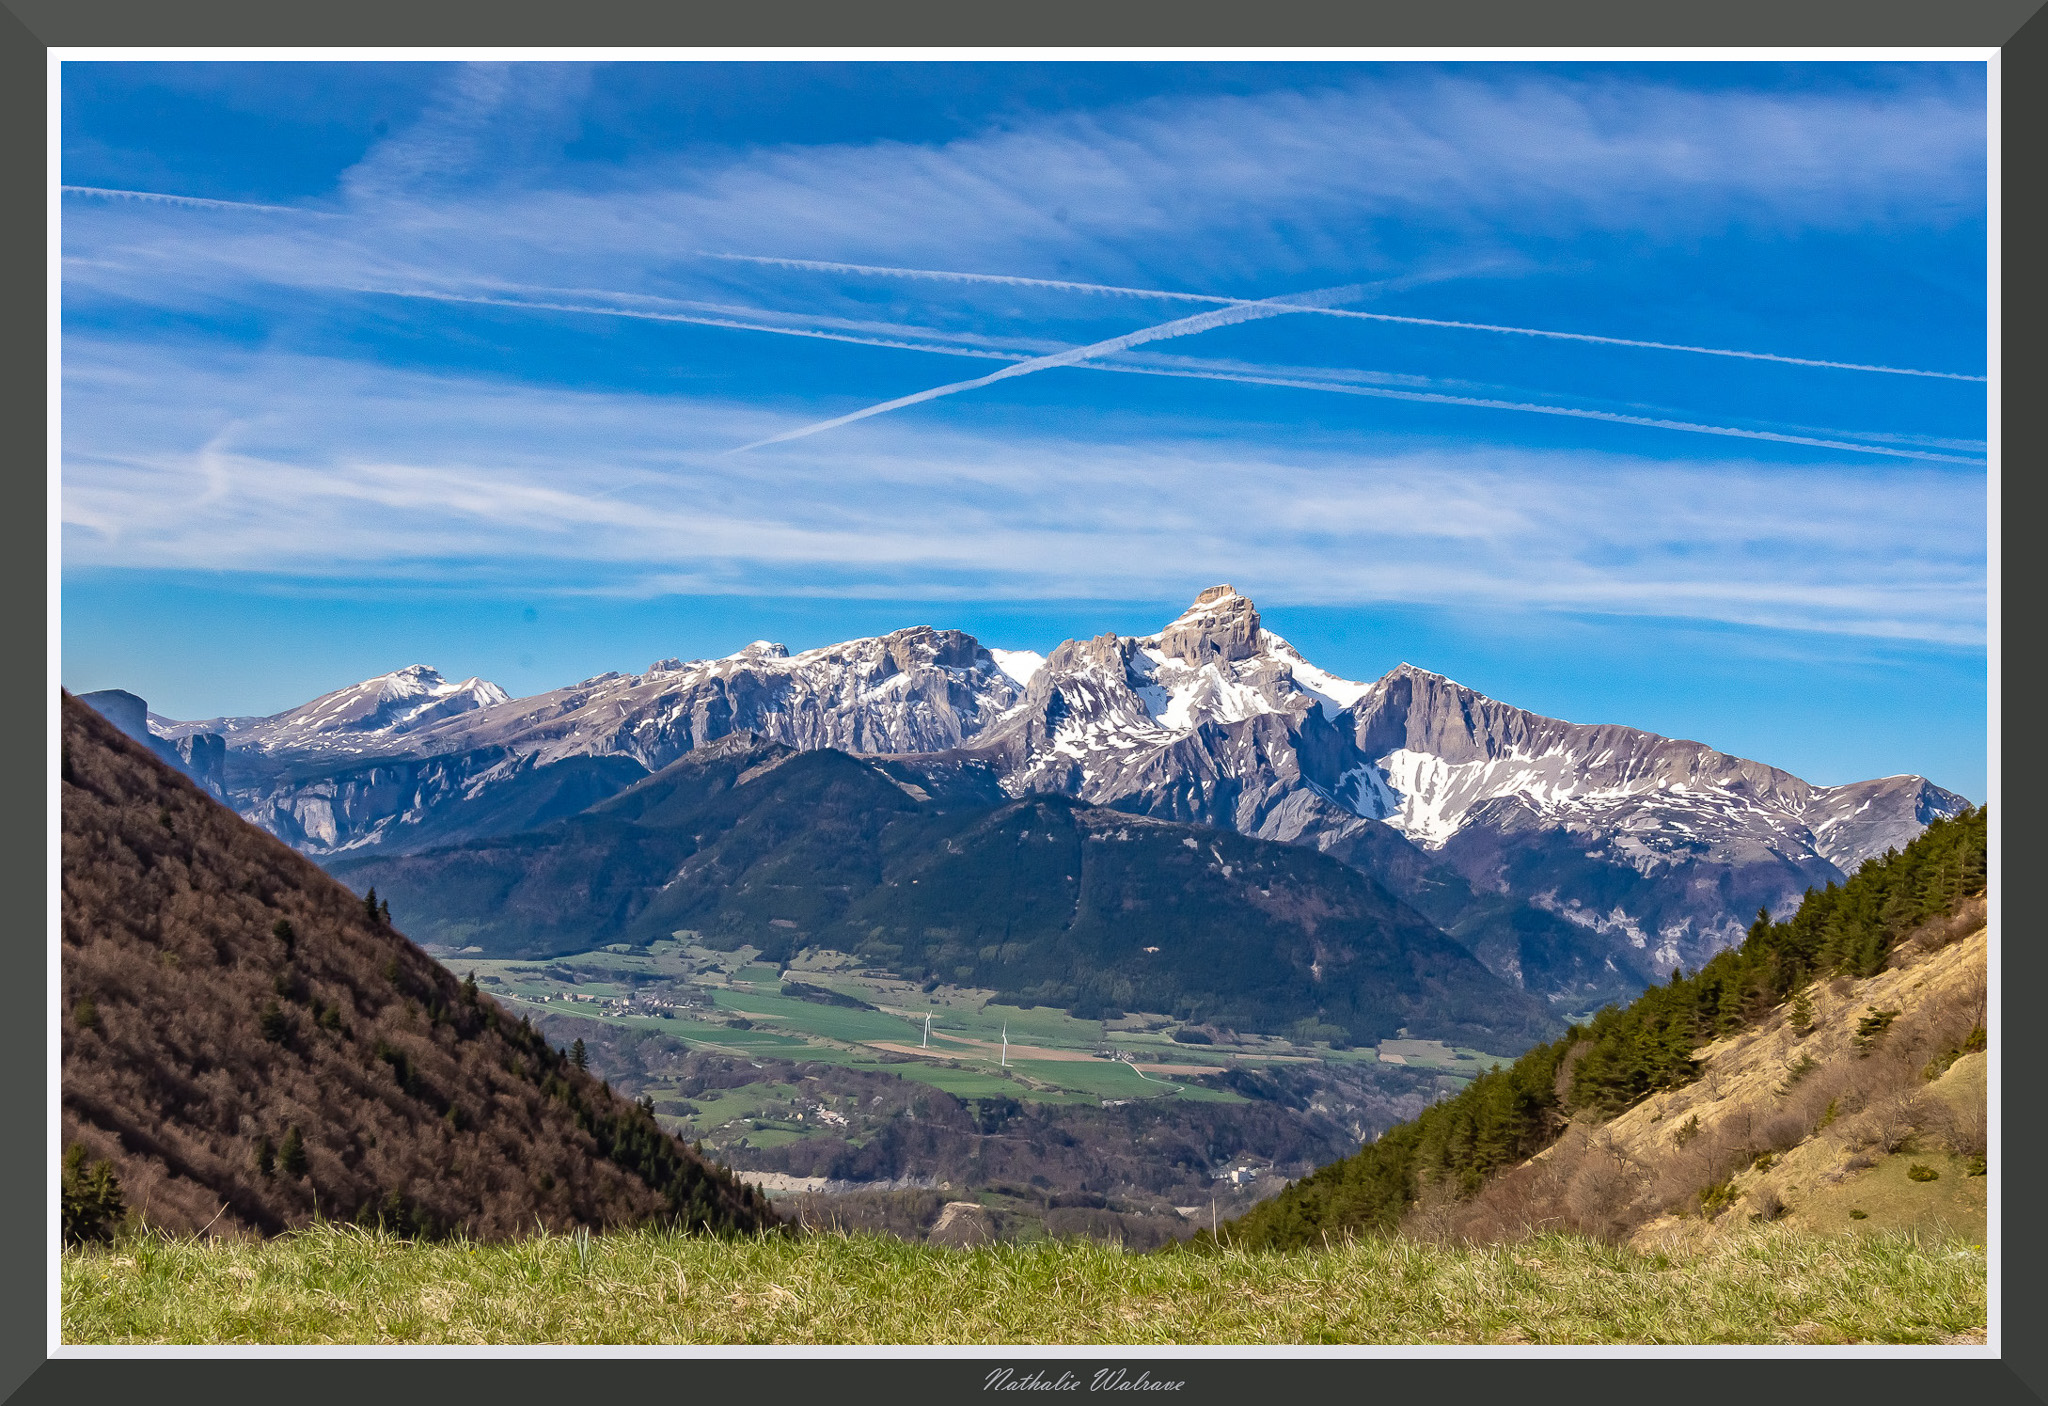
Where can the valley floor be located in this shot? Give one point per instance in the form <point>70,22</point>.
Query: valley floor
<point>1771,1284</point>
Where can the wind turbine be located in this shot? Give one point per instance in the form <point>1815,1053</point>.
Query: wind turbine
<point>926,1043</point>
<point>1006,1045</point>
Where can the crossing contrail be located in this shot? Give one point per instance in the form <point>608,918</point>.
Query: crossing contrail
<point>1014,280</point>
<point>1186,368</point>
<point>1180,327</point>
<point>1069,285</point>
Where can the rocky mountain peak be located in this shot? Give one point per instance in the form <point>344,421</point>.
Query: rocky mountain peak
<point>1220,626</point>
<point>921,646</point>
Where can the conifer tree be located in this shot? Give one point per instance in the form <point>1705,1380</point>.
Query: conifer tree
<point>579,1056</point>
<point>1801,1017</point>
<point>370,905</point>
<point>266,1157</point>
<point>282,931</point>
<point>92,1200</point>
<point>385,909</point>
<point>469,989</point>
<point>291,1158</point>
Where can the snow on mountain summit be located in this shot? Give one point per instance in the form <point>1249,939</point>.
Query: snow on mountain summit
<point>1019,664</point>
<point>366,717</point>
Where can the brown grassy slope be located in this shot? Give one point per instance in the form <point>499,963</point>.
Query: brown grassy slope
<point>1839,1126</point>
<point>191,1033</point>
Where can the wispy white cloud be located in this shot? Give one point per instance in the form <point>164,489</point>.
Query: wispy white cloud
<point>1203,197</point>
<point>1091,227</point>
<point>281,465</point>
<point>488,121</point>
<point>1569,412</point>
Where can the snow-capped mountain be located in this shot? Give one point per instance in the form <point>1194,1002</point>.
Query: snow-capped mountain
<point>1662,848</point>
<point>916,690</point>
<point>413,760</point>
<point>1213,719</point>
<point>370,718</point>
<point>1444,753</point>
<point>1667,845</point>
<point>1653,851</point>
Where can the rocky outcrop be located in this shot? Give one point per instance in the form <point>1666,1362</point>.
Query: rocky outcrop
<point>201,756</point>
<point>962,1225</point>
<point>1221,626</point>
<point>124,710</point>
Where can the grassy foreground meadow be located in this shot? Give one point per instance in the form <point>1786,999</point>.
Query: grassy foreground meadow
<point>342,1285</point>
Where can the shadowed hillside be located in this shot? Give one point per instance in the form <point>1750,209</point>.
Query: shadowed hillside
<point>1043,899</point>
<point>249,1047</point>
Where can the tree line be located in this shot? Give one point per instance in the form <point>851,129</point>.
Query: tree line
<point>1625,1054</point>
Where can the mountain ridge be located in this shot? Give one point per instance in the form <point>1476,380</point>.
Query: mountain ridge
<point>1644,852</point>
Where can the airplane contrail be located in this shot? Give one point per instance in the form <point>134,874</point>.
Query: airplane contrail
<point>199,202</point>
<point>693,319</point>
<point>948,276</point>
<point>1179,327</point>
<point>1575,412</point>
<point>1188,369</point>
<point>1014,280</point>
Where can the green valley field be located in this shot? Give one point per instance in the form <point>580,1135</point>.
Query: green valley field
<point>329,1285</point>
<point>728,1003</point>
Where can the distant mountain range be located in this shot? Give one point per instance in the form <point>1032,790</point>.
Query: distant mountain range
<point>1578,861</point>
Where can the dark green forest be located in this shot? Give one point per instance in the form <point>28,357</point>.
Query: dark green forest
<point>1624,1054</point>
<point>1043,900</point>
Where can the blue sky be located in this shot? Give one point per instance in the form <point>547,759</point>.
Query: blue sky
<point>537,370</point>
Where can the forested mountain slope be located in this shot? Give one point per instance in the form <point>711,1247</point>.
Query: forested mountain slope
<point>1892,912</point>
<point>1041,899</point>
<point>248,1046</point>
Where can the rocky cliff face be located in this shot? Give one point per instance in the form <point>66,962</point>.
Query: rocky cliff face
<point>916,690</point>
<point>201,756</point>
<point>1666,846</point>
<point>1203,721</point>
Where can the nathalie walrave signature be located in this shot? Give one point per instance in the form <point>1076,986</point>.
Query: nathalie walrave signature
<point>1105,1379</point>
